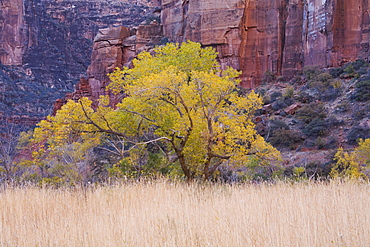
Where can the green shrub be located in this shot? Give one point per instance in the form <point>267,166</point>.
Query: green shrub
<point>362,92</point>
<point>289,92</point>
<point>342,107</point>
<point>318,127</point>
<point>318,85</point>
<point>304,97</point>
<point>336,83</point>
<point>279,104</point>
<point>277,124</point>
<point>356,133</point>
<point>310,112</point>
<point>330,94</point>
<point>360,112</point>
<point>268,77</point>
<point>317,170</point>
<point>275,95</point>
<point>285,138</point>
<point>152,18</point>
<point>358,64</point>
<point>320,142</point>
<point>311,72</point>
<point>336,72</point>
<point>324,77</point>
<point>349,69</point>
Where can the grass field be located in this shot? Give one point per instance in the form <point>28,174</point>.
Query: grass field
<point>167,214</point>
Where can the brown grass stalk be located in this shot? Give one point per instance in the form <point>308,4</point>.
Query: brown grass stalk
<point>167,214</point>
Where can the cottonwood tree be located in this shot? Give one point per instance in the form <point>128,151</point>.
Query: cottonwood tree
<point>178,97</point>
<point>62,145</point>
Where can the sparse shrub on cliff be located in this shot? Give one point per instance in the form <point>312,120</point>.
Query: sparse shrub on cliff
<point>304,97</point>
<point>363,70</point>
<point>310,112</point>
<point>333,121</point>
<point>319,86</point>
<point>268,77</point>
<point>152,19</point>
<point>275,95</point>
<point>318,127</point>
<point>356,133</point>
<point>275,124</point>
<point>164,41</point>
<point>330,94</point>
<point>324,77</point>
<point>336,83</point>
<point>311,72</point>
<point>285,138</point>
<point>320,142</point>
<point>279,104</point>
<point>362,92</point>
<point>289,92</point>
<point>349,71</point>
<point>324,90</point>
<point>342,107</point>
<point>360,112</point>
<point>358,64</point>
<point>336,72</point>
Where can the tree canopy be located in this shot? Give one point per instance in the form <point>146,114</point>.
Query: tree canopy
<point>176,97</point>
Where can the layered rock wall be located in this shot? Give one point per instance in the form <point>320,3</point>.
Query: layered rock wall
<point>212,23</point>
<point>46,46</point>
<point>281,36</point>
<point>113,47</point>
<point>12,32</point>
<point>53,40</point>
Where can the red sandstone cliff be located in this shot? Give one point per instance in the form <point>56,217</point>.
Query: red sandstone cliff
<point>254,36</point>
<point>12,32</point>
<point>280,36</point>
<point>113,47</point>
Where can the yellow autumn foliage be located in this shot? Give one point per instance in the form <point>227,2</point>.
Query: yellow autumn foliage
<point>178,97</point>
<point>353,165</point>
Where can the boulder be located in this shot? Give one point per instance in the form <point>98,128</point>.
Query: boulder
<point>292,108</point>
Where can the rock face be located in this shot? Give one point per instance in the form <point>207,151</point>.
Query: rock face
<point>113,47</point>
<point>107,55</point>
<point>61,33</point>
<point>47,45</point>
<point>12,32</point>
<point>212,23</point>
<point>283,36</point>
<point>52,41</point>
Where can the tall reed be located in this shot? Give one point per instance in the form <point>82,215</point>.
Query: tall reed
<point>171,214</point>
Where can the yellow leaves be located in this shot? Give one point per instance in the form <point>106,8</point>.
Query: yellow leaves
<point>70,126</point>
<point>363,152</point>
<point>179,95</point>
<point>183,93</point>
<point>186,58</point>
<point>351,165</point>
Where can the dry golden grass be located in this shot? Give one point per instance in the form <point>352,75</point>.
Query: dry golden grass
<point>165,214</point>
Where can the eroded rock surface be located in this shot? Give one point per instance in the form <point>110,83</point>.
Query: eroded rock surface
<point>12,32</point>
<point>53,40</point>
<point>47,45</point>
<point>256,36</point>
<point>113,47</point>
